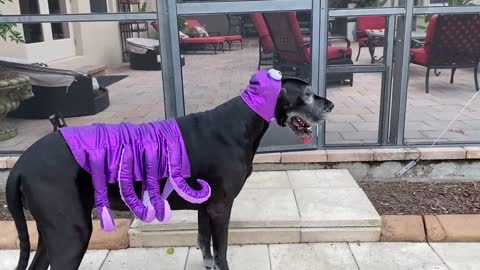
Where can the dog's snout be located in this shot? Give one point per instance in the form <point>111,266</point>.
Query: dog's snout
<point>329,106</point>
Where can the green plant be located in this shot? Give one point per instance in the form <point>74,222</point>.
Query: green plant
<point>370,3</point>
<point>143,8</point>
<point>338,3</point>
<point>460,3</point>
<point>7,31</point>
<point>450,3</point>
<point>181,23</point>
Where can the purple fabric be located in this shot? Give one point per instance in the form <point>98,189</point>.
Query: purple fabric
<point>262,93</point>
<point>124,153</point>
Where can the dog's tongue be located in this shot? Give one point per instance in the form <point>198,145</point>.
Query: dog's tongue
<point>307,139</point>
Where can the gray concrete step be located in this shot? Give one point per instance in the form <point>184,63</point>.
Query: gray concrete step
<point>280,207</point>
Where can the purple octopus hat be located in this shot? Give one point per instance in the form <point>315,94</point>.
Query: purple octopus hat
<point>262,93</point>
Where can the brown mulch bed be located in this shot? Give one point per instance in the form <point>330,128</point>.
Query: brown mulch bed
<point>5,215</point>
<point>408,198</point>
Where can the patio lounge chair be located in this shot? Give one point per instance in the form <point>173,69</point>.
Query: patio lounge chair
<point>216,41</point>
<point>229,38</point>
<point>144,54</point>
<point>453,41</point>
<point>363,25</point>
<point>292,54</point>
<point>66,92</point>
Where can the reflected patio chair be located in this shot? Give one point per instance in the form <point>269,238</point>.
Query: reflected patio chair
<point>265,48</point>
<point>453,41</point>
<point>292,53</point>
<point>365,24</point>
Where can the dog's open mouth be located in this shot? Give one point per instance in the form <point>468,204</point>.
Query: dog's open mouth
<point>302,128</point>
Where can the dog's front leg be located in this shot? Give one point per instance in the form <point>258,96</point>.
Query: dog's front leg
<point>219,214</point>
<point>204,237</point>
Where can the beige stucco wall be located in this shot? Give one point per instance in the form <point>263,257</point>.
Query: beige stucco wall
<point>97,43</point>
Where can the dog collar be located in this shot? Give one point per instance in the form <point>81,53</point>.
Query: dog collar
<point>262,93</point>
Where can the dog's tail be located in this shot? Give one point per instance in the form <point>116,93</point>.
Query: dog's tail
<point>14,202</point>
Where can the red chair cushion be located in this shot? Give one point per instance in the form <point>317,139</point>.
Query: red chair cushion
<point>419,56</point>
<point>363,42</point>
<point>233,37</point>
<point>335,52</point>
<point>265,38</point>
<point>204,40</point>
<point>369,22</point>
<point>430,32</point>
<point>295,26</point>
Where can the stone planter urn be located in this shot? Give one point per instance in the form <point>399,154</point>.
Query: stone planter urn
<point>14,88</point>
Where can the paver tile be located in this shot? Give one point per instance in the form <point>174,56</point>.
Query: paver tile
<point>335,207</point>
<point>92,260</point>
<point>312,256</point>
<point>265,208</point>
<point>146,259</point>
<point>249,257</point>
<point>459,256</point>
<point>396,256</point>
<point>271,179</point>
<point>321,178</point>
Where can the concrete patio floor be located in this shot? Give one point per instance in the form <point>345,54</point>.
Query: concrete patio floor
<point>331,256</point>
<point>211,79</point>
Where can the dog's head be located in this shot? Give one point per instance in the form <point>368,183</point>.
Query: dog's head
<point>299,108</point>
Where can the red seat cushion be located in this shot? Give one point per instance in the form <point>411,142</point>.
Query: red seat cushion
<point>203,40</point>
<point>265,38</point>
<point>363,42</point>
<point>233,38</point>
<point>335,52</point>
<point>419,56</point>
<point>370,22</point>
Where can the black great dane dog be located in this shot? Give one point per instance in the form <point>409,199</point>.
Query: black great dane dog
<point>221,144</point>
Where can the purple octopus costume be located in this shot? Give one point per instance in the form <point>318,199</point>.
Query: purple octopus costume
<point>125,153</point>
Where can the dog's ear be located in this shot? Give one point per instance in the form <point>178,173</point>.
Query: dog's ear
<point>307,90</point>
<point>283,99</point>
<point>286,79</point>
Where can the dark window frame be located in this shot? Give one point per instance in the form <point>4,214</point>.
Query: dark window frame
<point>98,6</point>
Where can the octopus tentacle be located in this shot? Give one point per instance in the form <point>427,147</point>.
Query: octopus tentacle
<point>176,179</point>
<point>152,161</point>
<point>127,191</point>
<point>101,192</point>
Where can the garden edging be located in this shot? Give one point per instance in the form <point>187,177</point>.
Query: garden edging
<point>117,239</point>
<point>430,228</point>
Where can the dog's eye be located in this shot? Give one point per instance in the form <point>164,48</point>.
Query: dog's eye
<point>308,92</point>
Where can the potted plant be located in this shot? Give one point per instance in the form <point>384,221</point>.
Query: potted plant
<point>370,3</point>
<point>450,3</point>
<point>14,87</point>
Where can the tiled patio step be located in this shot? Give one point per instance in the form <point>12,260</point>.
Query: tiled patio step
<point>280,207</point>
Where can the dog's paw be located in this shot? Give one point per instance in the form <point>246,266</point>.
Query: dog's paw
<point>208,262</point>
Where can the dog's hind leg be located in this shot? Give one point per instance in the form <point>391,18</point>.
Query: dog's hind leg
<point>219,214</point>
<point>40,260</point>
<point>68,242</point>
<point>204,237</point>
<point>63,217</point>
